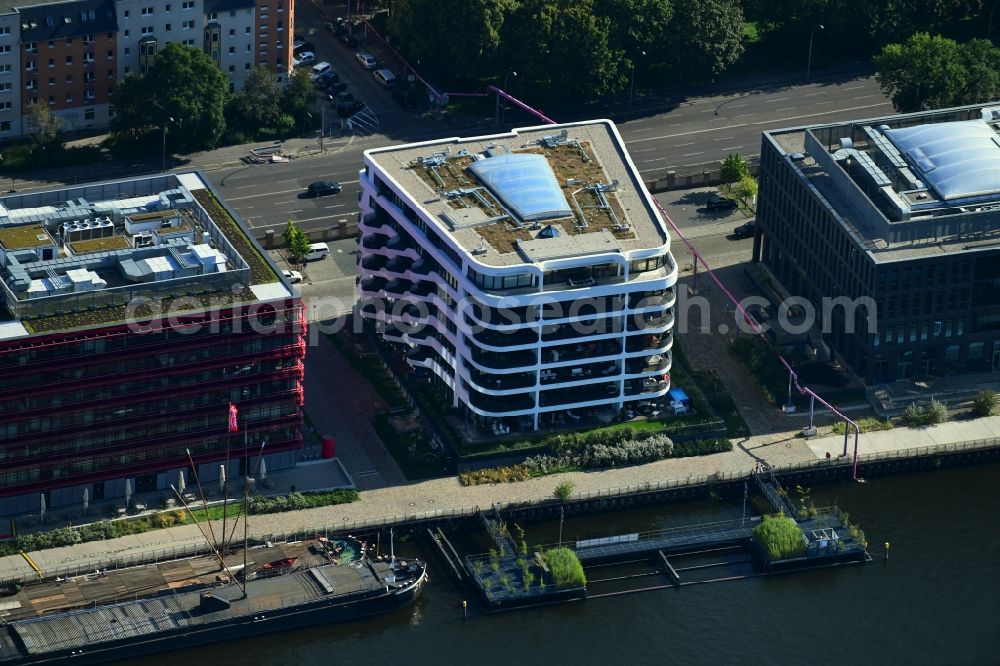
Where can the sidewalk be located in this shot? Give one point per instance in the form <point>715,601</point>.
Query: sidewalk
<point>447,494</point>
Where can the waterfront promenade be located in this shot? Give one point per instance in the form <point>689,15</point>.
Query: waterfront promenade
<point>443,495</point>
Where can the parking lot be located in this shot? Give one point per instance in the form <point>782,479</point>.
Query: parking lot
<point>382,111</point>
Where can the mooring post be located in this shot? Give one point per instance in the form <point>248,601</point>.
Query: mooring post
<point>854,473</point>
<point>847,427</point>
<point>465,609</point>
<point>886,551</point>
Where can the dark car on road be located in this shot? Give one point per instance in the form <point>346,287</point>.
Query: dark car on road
<point>304,46</point>
<point>321,188</point>
<point>744,230</point>
<point>324,80</point>
<point>340,97</point>
<point>717,202</point>
<point>335,89</point>
<point>347,39</point>
<point>348,109</point>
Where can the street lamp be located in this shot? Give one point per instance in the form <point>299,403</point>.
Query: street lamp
<point>163,162</point>
<point>809,62</point>
<point>505,79</point>
<point>631,89</point>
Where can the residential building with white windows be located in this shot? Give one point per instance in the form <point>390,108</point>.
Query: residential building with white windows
<point>528,273</point>
<point>70,55</point>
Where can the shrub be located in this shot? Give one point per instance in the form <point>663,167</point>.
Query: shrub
<point>780,536</point>
<point>563,491</point>
<point>867,424</point>
<point>567,572</point>
<point>984,403</point>
<point>918,416</point>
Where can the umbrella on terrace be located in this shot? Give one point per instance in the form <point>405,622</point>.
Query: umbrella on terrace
<point>41,509</point>
<point>128,492</point>
<point>181,485</point>
<point>86,500</point>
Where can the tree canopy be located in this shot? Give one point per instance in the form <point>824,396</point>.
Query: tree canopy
<point>930,71</point>
<point>706,36</point>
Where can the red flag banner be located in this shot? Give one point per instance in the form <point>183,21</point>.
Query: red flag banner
<point>232,418</point>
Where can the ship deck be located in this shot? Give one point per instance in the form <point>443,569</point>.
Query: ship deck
<point>50,596</point>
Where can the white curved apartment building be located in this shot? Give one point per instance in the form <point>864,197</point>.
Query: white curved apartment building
<point>529,271</point>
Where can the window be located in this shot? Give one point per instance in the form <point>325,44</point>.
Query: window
<point>188,4</point>
<point>126,33</point>
<point>111,73</point>
<point>111,54</point>
<point>125,14</point>
<point>7,86</point>
<point>31,85</point>
<point>52,80</point>
<point>127,69</point>
<point>5,30</point>
<point>52,45</point>
<point>69,78</point>
<point>31,47</point>
<point>951,353</point>
<point>247,65</point>
<point>5,48</point>
<point>52,63</point>
<point>128,51</point>
<point>69,60</point>
<point>147,30</point>
<point>5,106</point>
<point>166,8</point>
<point>69,41</point>
<point>975,352</point>
<point>188,25</point>
<point>147,11</point>
<point>232,68</point>
<point>52,99</point>
<point>111,36</point>
<point>248,48</point>
<point>232,50</point>
<point>88,114</point>
<point>31,65</point>
<point>5,125</point>
<point>166,28</point>
<point>213,16</point>
<point>111,91</point>
<point>88,77</point>
<point>281,26</point>
<point>232,32</point>
<point>5,69</point>
<point>247,30</point>
<point>88,39</point>
<point>188,42</point>
<point>69,97</point>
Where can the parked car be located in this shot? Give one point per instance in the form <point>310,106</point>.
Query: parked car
<point>347,39</point>
<point>367,60</point>
<point>335,89</point>
<point>404,98</point>
<point>304,46</point>
<point>744,230</point>
<point>303,59</point>
<point>321,188</point>
<point>324,80</point>
<point>719,202</point>
<point>348,109</point>
<point>319,68</point>
<point>384,77</point>
<point>342,97</point>
<point>297,41</point>
<point>317,251</point>
<point>292,276</point>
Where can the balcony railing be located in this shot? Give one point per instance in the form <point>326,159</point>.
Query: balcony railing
<point>580,351</point>
<point>607,391</point>
<point>651,343</point>
<point>501,403</point>
<point>506,338</point>
<point>520,380</point>
<point>515,359</point>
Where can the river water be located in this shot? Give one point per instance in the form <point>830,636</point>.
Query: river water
<point>935,601</point>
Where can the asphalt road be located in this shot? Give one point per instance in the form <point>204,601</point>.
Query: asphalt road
<point>696,132</point>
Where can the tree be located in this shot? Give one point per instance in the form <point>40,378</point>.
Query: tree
<point>705,37</point>
<point>132,119</point>
<point>299,94</point>
<point>186,85</point>
<point>297,242</point>
<point>560,48</point>
<point>929,72</point>
<point>45,125</point>
<point>637,25</point>
<point>745,190</point>
<point>258,104</point>
<point>734,168</point>
<point>429,31</point>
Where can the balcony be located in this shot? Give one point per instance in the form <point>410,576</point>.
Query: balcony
<point>649,342</point>
<point>650,385</point>
<point>654,363</point>
<point>501,403</point>
<point>589,307</point>
<point>374,262</point>
<point>375,241</point>
<point>580,351</point>
<point>398,287</point>
<point>652,299</point>
<point>608,391</point>
<point>479,315</point>
<point>488,382</point>
<point>511,338</point>
<point>575,374</point>
<point>399,264</point>
<point>582,329</point>
<point>650,321</point>
<point>505,360</point>
<point>373,285</point>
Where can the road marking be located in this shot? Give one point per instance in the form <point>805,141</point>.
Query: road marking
<point>734,106</point>
<point>690,154</point>
<point>777,99</point>
<point>772,121</point>
<point>645,150</point>
<point>731,148</point>
<point>863,96</point>
<point>681,145</point>
<point>822,92</point>
<point>787,108</point>
<point>852,87</point>
<point>723,138</point>
<point>745,115</point>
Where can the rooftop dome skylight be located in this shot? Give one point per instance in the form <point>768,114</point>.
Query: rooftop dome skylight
<point>524,183</point>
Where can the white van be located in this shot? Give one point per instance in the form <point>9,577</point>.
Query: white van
<point>317,251</point>
<point>319,68</point>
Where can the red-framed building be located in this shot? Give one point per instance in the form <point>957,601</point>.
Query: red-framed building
<point>91,398</point>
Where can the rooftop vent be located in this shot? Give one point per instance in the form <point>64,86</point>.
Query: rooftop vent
<point>846,143</point>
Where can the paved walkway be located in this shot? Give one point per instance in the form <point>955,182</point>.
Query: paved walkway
<point>447,494</point>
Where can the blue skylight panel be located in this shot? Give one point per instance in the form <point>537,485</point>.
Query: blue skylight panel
<point>524,183</point>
